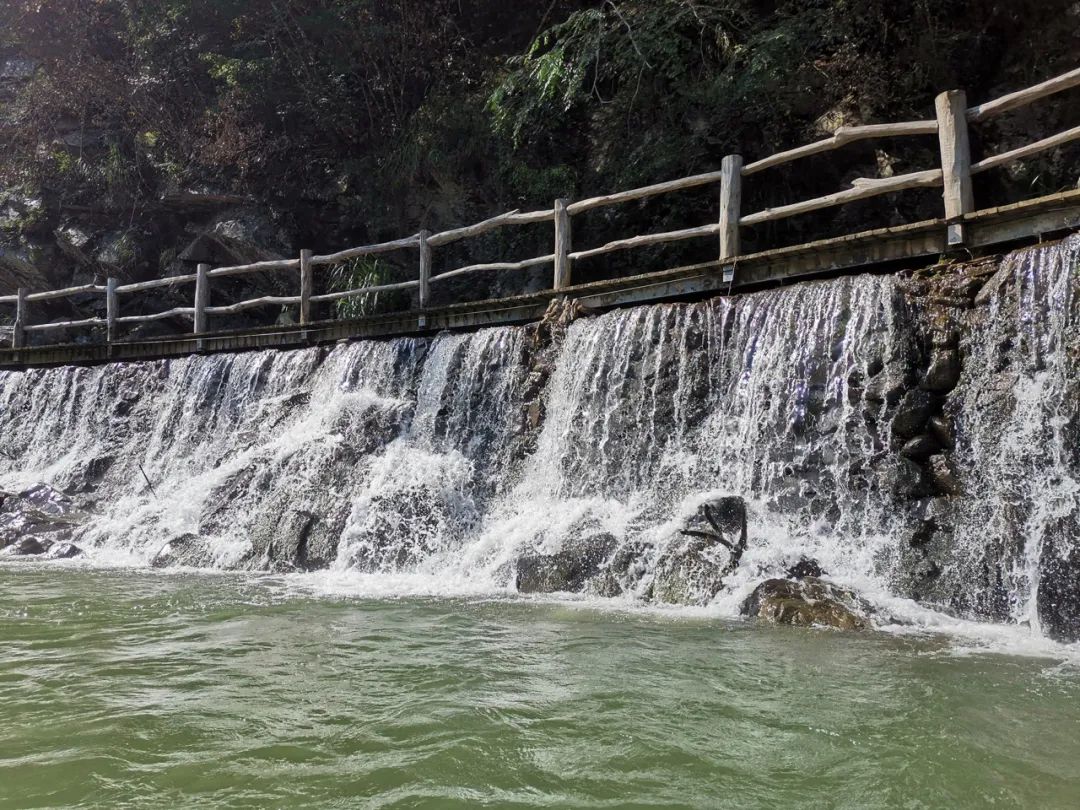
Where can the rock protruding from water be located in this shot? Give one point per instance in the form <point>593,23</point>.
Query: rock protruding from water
<point>691,571</point>
<point>567,570</point>
<point>806,603</point>
<point>36,519</point>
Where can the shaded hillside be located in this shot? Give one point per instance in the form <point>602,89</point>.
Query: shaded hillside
<point>140,138</point>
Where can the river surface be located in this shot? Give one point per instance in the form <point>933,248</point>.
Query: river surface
<point>121,688</point>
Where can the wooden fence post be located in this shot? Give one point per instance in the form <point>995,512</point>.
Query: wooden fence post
<point>22,316</point>
<point>425,270</point>
<point>202,298</point>
<point>562,244</point>
<point>730,211</point>
<point>307,284</point>
<point>955,161</point>
<point>112,308</point>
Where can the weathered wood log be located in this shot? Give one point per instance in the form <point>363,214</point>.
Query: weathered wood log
<point>863,189</point>
<point>341,296</point>
<point>48,327</point>
<point>842,137</point>
<point>645,191</point>
<point>730,205</point>
<point>446,237</point>
<point>22,318</point>
<point>1006,158</point>
<point>254,303</point>
<point>1011,101</point>
<point>112,308</point>
<point>53,294</point>
<point>177,312</point>
<point>472,268</point>
<point>531,217</point>
<point>143,286</point>
<point>202,297</point>
<point>648,239</point>
<point>424,297</point>
<point>366,250</point>
<point>307,285</point>
<point>955,161</point>
<point>257,267</point>
<point>563,240</point>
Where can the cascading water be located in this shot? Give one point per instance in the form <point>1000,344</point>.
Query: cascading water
<point>421,463</point>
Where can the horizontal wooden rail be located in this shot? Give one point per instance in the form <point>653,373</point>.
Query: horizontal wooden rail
<point>473,268</point>
<point>341,296</point>
<point>177,312</point>
<point>842,137</point>
<point>863,190</point>
<point>645,191</point>
<point>47,327</point>
<point>1011,101</point>
<point>143,286</point>
<point>1024,151</point>
<point>253,303</point>
<point>257,267</point>
<point>648,239</point>
<point>53,294</point>
<point>446,237</point>
<point>367,250</point>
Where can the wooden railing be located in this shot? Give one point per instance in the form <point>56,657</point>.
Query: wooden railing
<point>950,125</point>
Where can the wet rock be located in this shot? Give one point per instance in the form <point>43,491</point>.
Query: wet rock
<point>804,568</point>
<point>625,568</point>
<point>26,547</point>
<point>943,373</point>
<point>689,572</point>
<point>920,448</point>
<point>941,428</point>
<point>566,570</point>
<point>188,550</point>
<point>944,477</point>
<point>913,413</point>
<point>65,551</point>
<point>1058,597</point>
<point>903,478</point>
<point>40,512</point>
<point>810,602</point>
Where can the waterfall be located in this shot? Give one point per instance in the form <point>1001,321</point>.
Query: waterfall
<point>431,458</point>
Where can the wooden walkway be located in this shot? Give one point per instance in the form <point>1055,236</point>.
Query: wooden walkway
<point>1001,227</point>
<point>962,227</point>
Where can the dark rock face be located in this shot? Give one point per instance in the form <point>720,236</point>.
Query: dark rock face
<point>41,514</point>
<point>567,570</point>
<point>810,602</point>
<point>805,568</point>
<point>26,547</point>
<point>1058,599</point>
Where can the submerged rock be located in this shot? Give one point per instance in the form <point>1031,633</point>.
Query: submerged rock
<point>810,602</point>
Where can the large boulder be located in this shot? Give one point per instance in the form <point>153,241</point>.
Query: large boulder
<point>689,572</point>
<point>188,550</point>
<point>567,570</point>
<point>808,602</point>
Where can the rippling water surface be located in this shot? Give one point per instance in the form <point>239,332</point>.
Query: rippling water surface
<point>127,689</point>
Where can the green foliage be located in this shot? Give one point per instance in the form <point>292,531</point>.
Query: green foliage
<point>356,274</point>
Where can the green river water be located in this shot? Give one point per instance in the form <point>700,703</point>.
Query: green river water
<point>121,689</point>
